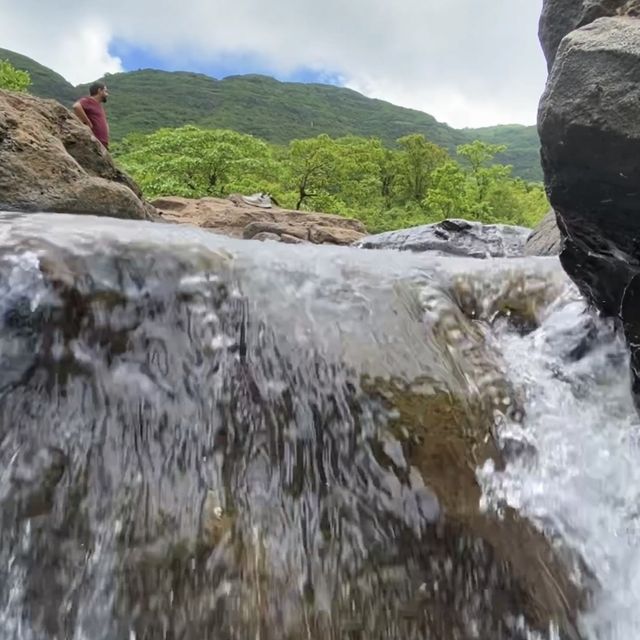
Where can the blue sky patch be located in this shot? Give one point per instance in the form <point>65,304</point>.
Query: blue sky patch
<point>134,57</point>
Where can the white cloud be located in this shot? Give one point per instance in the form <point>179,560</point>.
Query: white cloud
<point>93,41</point>
<point>77,48</point>
<point>466,62</point>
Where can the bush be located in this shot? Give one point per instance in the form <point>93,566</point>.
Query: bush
<point>13,79</point>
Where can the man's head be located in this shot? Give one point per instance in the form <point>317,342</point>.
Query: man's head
<point>98,91</point>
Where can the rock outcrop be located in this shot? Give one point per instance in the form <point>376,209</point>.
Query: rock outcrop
<point>49,161</point>
<point>545,239</point>
<point>589,125</point>
<point>233,217</point>
<point>454,237</point>
<point>560,17</point>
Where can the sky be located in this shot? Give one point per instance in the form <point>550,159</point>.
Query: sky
<point>469,63</point>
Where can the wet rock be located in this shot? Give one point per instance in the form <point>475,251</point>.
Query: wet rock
<point>446,440</point>
<point>49,161</point>
<point>590,132</point>
<point>454,237</point>
<point>234,467</point>
<point>520,297</point>
<point>27,486</point>
<point>545,239</point>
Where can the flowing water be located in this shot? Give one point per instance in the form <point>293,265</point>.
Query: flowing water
<point>203,437</point>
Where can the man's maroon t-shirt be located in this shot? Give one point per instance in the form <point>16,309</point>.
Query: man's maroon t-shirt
<point>98,119</point>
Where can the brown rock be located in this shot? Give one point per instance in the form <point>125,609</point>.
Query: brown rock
<point>235,218</point>
<point>255,228</point>
<point>266,235</point>
<point>49,161</point>
<point>287,239</point>
<point>319,234</point>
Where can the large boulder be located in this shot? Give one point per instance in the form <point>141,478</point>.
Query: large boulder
<point>589,125</point>
<point>454,237</point>
<point>545,239</point>
<point>235,218</point>
<point>560,17</point>
<point>49,161</point>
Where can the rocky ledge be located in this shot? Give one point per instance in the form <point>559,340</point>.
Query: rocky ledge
<point>233,217</point>
<point>50,161</point>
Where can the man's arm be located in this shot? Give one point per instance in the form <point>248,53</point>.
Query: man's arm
<point>79,111</point>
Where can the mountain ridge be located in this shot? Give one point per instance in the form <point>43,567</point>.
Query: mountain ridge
<point>144,100</point>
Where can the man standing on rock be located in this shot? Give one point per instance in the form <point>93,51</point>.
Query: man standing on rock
<point>90,110</point>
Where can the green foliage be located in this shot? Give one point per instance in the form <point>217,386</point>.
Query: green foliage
<point>12,78</point>
<point>479,189</point>
<point>193,162</point>
<point>448,196</point>
<point>418,159</point>
<point>147,100</point>
<point>414,183</point>
<point>523,147</point>
<point>311,166</point>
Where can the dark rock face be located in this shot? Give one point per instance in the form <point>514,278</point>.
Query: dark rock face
<point>454,237</point>
<point>589,125</point>
<point>545,239</point>
<point>560,17</point>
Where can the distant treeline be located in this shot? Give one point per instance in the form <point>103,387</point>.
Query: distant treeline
<point>415,183</point>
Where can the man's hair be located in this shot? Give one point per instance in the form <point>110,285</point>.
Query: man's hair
<point>95,87</point>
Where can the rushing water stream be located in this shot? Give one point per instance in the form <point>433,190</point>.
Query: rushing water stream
<point>203,437</point>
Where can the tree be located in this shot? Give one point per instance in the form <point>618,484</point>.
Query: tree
<point>194,162</point>
<point>478,188</point>
<point>358,170</point>
<point>13,79</point>
<point>312,163</point>
<point>418,159</point>
<point>389,172</point>
<point>448,196</point>
<point>517,202</point>
<point>480,155</point>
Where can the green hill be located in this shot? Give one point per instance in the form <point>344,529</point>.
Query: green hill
<point>143,101</point>
<point>44,82</point>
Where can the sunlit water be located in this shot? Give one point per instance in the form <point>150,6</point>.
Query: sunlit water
<point>195,441</point>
